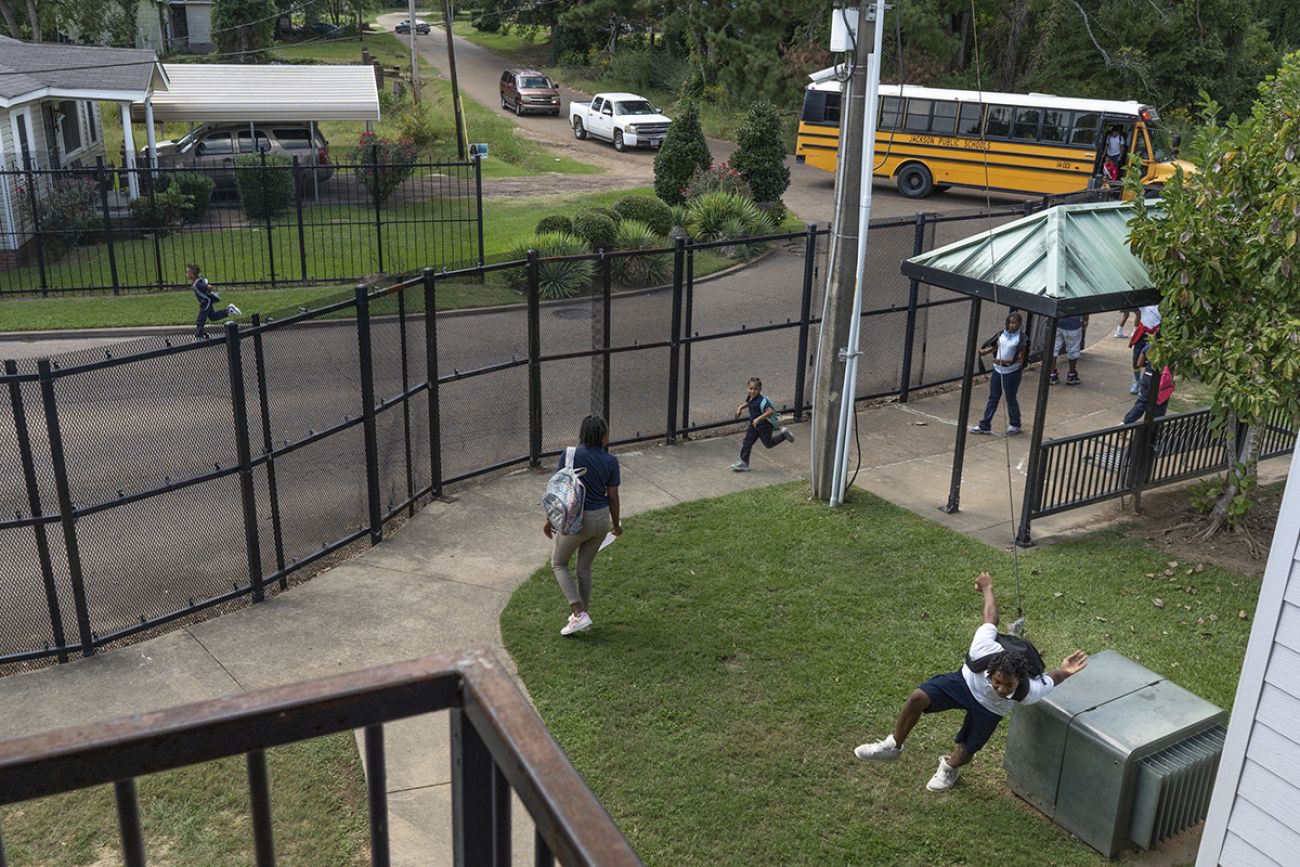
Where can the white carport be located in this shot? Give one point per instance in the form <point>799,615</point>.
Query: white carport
<point>249,93</point>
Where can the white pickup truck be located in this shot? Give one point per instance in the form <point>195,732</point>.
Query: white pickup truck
<point>625,119</point>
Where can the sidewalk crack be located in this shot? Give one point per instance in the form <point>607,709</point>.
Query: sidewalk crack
<point>213,656</point>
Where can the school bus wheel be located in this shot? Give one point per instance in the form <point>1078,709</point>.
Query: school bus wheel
<point>914,181</point>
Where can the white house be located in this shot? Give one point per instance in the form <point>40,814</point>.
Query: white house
<point>1254,818</point>
<point>189,26</point>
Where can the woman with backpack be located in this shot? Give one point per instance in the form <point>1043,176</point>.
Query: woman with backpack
<point>595,472</point>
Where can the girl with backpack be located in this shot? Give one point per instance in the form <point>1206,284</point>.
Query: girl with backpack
<point>1009,349</point>
<point>598,478</point>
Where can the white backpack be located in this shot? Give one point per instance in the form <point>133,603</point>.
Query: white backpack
<point>565,495</point>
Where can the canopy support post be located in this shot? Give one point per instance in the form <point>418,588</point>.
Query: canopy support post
<point>963,411</point>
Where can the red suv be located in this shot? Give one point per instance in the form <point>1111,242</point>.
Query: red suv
<point>525,90</point>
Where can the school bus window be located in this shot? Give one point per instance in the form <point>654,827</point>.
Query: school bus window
<point>944,118</point>
<point>1056,126</point>
<point>891,110</point>
<point>968,123</point>
<point>831,112</point>
<point>821,107</point>
<point>918,115</point>
<point>1026,125</point>
<point>998,124</point>
<point>1085,129</point>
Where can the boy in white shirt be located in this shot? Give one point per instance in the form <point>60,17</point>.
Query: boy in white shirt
<point>987,695</point>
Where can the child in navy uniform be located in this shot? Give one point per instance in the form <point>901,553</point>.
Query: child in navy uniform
<point>762,424</point>
<point>207,301</point>
<point>986,695</point>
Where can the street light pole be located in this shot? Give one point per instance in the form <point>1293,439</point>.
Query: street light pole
<point>415,57</point>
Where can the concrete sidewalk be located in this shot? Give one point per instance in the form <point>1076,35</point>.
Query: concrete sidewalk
<point>440,582</point>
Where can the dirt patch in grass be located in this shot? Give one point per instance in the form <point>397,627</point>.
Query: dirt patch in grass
<point>1169,523</point>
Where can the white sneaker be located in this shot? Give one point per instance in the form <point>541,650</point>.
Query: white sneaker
<point>879,751</point>
<point>944,778</point>
<point>232,310</point>
<point>577,623</point>
<point>1119,331</point>
<point>789,437</point>
<point>740,467</point>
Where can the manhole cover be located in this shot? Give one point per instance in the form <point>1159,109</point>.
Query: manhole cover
<point>572,313</point>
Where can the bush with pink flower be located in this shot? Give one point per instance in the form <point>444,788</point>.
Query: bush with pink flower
<point>717,178</point>
<point>385,163</point>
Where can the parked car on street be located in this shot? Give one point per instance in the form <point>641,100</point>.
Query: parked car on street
<point>325,29</point>
<point>524,90</point>
<point>212,148</point>
<point>625,119</point>
<point>404,26</point>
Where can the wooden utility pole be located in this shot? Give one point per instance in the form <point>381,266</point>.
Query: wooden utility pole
<point>448,15</point>
<point>415,56</point>
<point>841,275</point>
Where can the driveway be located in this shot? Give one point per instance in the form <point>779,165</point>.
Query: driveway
<point>811,194</point>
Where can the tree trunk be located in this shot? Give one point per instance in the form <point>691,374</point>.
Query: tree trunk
<point>34,20</point>
<point>1244,457</point>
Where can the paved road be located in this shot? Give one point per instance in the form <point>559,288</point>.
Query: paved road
<point>811,193</point>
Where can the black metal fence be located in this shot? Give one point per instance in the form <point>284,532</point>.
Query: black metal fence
<point>1088,468</point>
<point>164,477</point>
<point>499,746</point>
<point>79,231</point>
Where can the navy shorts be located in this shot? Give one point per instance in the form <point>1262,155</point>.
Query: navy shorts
<point>949,692</point>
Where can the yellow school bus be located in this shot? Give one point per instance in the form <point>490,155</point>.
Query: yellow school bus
<point>929,139</point>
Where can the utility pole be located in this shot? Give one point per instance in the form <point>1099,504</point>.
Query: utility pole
<point>415,57</point>
<point>448,15</point>
<point>833,337</point>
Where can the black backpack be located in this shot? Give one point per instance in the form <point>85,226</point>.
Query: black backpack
<point>1011,643</point>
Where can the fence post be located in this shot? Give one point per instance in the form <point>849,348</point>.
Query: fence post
<point>302,234</point>
<point>963,409</point>
<point>430,363</point>
<point>34,207</point>
<point>268,448</point>
<point>431,372</point>
<point>534,363</point>
<point>1142,444</point>
<point>379,223</point>
<point>607,298</point>
<point>244,452</point>
<point>157,227</point>
<point>805,316</point>
<point>909,338</point>
<point>368,414</point>
<point>34,505</point>
<point>66,515</point>
<point>675,339</point>
<point>478,205</point>
<point>102,182</point>
<point>472,771</point>
<point>406,400</point>
<point>687,323</point>
<point>270,232</point>
<point>1033,478</point>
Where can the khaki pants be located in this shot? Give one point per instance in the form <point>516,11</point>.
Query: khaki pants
<point>595,524</point>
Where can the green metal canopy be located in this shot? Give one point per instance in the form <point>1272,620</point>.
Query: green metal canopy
<point>1063,261</point>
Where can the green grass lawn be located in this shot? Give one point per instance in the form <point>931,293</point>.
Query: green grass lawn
<point>744,645</point>
<point>507,223</point>
<point>200,814</point>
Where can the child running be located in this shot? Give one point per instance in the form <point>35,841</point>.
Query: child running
<point>207,301</point>
<point>992,682</point>
<point>762,415</point>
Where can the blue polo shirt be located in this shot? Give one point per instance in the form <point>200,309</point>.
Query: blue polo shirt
<point>1069,323</point>
<point>601,475</point>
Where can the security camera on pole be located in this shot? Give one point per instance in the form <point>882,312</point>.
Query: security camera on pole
<point>835,385</point>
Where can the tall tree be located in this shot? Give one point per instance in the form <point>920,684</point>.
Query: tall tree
<point>684,150</point>
<point>244,27</point>
<point>1223,254</point>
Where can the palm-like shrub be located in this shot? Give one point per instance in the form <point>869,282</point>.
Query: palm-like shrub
<point>599,231</point>
<point>646,269</point>
<point>555,279</point>
<point>741,230</point>
<point>707,215</point>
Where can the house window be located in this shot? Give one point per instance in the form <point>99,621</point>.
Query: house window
<point>25,155</point>
<point>70,126</point>
<point>92,135</point>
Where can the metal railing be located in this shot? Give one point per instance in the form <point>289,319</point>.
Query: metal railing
<point>238,463</point>
<point>78,231</point>
<point>498,744</point>
<point>1087,468</point>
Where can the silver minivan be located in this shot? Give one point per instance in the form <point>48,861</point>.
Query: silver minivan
<point>213,147</point>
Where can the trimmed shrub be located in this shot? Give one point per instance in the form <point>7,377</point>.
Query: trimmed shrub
<point>163,211</point>
<point>760,153</point>
<point>608,212</point>
<point>69,212</point>
<point>198,187</point>
<point>649,269</point>
<point>395,159</point>
<point>648,210</point>
<point>264,194</point>
<point>555,279</point>
<point>554,223</point>
<point>684,150</point>
<point>715,178</point>
<point>599,231</point>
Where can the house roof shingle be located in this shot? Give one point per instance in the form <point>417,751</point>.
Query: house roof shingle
<point>30,66</point>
